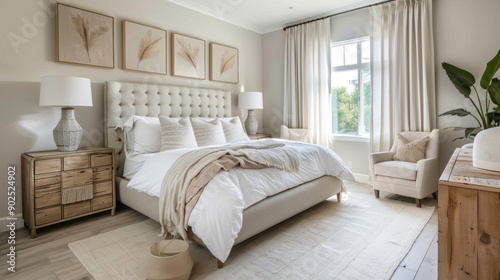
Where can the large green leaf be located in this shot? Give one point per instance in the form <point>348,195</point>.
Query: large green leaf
<point>490,71</point>
<point>494,91</point>
<point>461,79</point>
<point>456,112</point>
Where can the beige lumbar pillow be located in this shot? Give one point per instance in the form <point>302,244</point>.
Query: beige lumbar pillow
<point>411,151</point>
<point>176,133</point>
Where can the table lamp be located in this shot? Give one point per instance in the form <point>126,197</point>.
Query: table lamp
<point>66,92</point>
<point>250,100</point>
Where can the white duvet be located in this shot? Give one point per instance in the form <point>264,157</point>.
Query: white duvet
<point>217,217</point>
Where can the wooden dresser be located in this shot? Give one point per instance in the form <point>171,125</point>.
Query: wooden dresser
<point>60,186</point>
<point>469,220</point>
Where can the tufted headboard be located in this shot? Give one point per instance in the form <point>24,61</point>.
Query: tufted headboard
<point>123,100</point>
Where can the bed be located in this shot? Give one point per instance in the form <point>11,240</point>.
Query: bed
<point>124,100</point>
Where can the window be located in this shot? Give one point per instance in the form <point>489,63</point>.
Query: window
<point>351,94</point>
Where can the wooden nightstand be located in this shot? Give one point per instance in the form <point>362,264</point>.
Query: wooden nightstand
<point>469,220</point>
<point>60,186</point>
<point>259,136</point>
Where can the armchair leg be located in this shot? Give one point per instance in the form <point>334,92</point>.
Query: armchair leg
<point>339,197</point>
<point>377,193</point>
<point>418,202</point>
<point>435,195</point>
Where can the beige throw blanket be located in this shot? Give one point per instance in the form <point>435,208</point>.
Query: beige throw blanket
<point>185,180</point>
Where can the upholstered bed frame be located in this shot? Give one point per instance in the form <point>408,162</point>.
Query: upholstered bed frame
<point>123,100</point>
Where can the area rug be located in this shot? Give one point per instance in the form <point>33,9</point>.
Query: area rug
<point>360,238</point>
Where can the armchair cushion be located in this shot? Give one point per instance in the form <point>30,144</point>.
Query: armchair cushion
<point>411,151</point>
<point>397,169</point>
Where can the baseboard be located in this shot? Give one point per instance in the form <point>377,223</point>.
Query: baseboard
<point>361,178</point>
<point>5,221</point>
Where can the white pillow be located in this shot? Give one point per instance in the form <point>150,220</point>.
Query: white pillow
<point>298,135</point>
<point>208,132</point>
<point>176,133</point>
<point>142,134</point>
<point>233,130</point>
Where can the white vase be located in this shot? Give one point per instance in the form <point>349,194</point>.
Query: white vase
<point>486,151</point>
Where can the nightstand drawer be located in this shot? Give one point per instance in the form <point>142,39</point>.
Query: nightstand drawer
<point>77,178</point>
<point>101,160</point>
<point>47,165</point>
<point>47,179</point>
<point>47,196</point>
<point>102,202</point>
<point>103,173</point>
<point>76,162</point>
<point>103,188</point>
<point>47,215</point>
<point>75,209</point>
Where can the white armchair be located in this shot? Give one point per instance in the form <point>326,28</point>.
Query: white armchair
<point>296,134</point>
<point>417,180</point>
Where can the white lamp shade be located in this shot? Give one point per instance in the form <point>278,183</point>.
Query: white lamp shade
<point>65,91</point>
<point>250,100</point>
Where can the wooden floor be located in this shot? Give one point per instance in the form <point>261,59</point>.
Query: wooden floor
<point>49,257</point>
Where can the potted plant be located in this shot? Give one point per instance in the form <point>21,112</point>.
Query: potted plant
<point>464,81</point>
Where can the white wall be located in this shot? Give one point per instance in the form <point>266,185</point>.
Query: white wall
<point>465,35</point>
<point>27,127</point>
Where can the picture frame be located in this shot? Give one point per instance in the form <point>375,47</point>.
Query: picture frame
<point>144,48</point>
<point>84,37</point>
<point>187,56</point>
<point>224,63</point>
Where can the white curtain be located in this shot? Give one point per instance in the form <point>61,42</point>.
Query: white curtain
<point>402,70</point>
<point>307,100</point>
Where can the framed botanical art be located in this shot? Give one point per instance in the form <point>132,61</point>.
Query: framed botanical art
<point>144,48</point>
<point>223,63</point>
<point>84,37</point>
<point>188,56</point>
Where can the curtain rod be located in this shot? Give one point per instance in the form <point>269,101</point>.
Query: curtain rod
<point>352,10</point>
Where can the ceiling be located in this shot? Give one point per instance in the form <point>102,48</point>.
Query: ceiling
<point>263,16</point>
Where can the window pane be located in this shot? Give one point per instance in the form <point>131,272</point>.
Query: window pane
<point>366,104</point>
<point>338,56</point>
<point>351,54</point>
<point>345,92</point>
<point>365,51</point>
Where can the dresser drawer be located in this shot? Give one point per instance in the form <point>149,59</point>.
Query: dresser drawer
<point>103,173</point>
<point>77,178</point>
<point>47,215</point>
<point>47,165</point>
<point>47,196</point>
<point>76,162</point>
<point>101,160</point>
<point>103,188</point>
<point>75,209</point>
<point>102,202</point>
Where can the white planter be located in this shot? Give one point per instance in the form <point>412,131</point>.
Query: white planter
<point>486,151</point>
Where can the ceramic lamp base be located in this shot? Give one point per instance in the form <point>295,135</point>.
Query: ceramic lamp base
<point>251,123</point>
<point>67,133</point>
<point>486,151</point>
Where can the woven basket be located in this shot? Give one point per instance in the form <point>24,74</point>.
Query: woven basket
<point>169,259</point>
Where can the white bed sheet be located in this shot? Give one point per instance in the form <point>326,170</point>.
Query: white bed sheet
<point>217,217</point>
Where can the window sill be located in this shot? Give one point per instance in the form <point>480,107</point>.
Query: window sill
<point>351,138</point>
